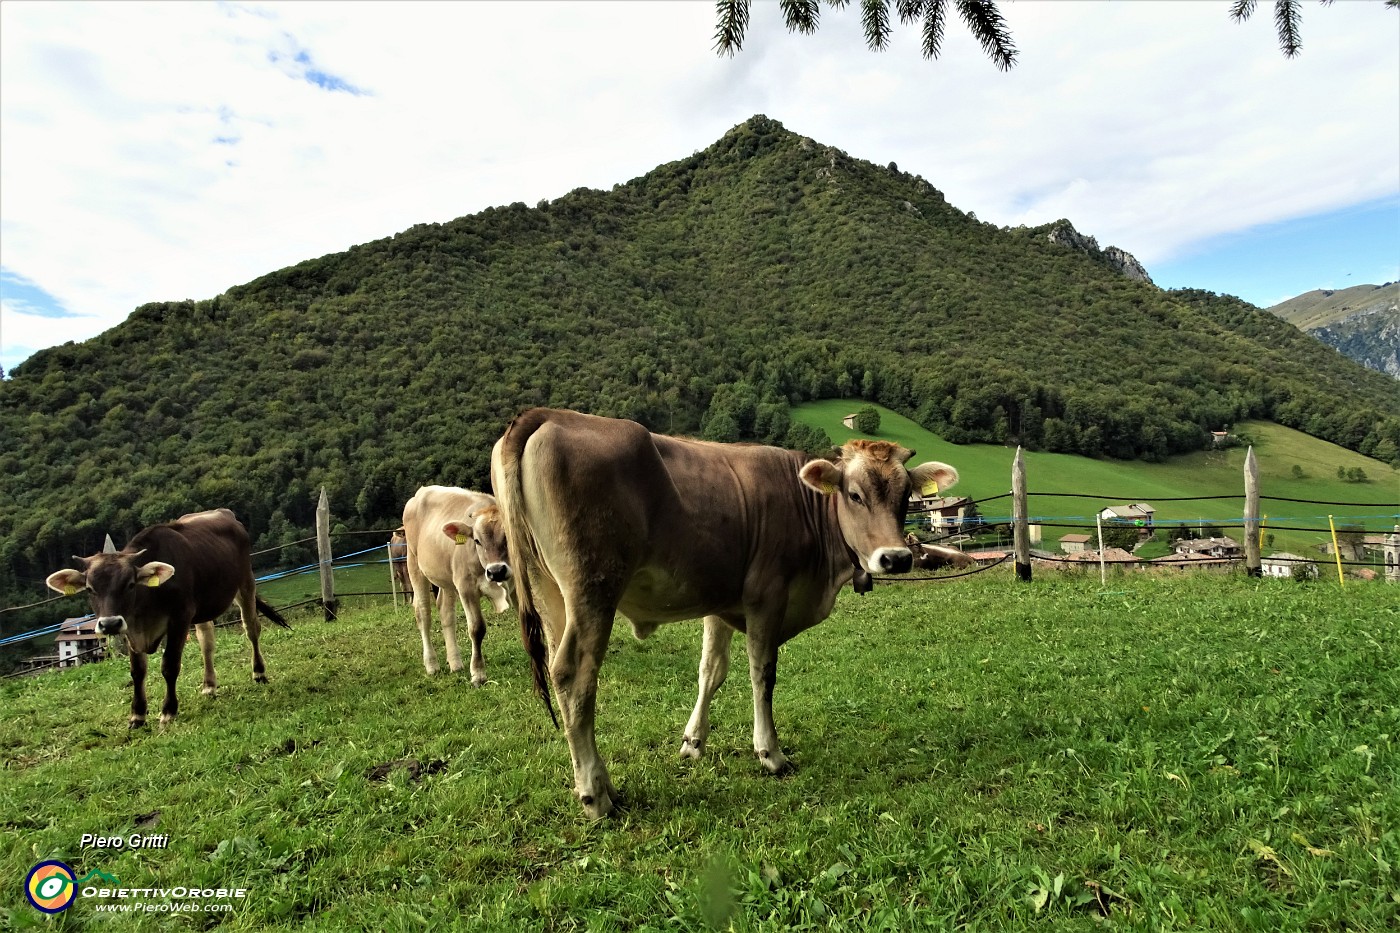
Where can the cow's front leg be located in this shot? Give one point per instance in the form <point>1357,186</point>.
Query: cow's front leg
<point>204,634</point>
<point>574,671</point>
<point>138,688</point>
<point>447,615</point>
<point>170,670</point>
<point>763,673</point>
<point>714,667</point>
<point>476,631</point>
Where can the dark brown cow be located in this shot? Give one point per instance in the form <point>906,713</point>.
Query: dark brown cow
<point>398,561</point>
<point>456,542</point>
<point>167,579</point>
<point>602,517</point>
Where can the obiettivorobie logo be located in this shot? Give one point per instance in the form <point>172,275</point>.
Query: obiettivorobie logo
<point>51,886</point>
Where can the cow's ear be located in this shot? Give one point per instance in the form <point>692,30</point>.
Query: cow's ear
<point>933,477</point>
<point>66,582</point>
<point>457,531</point>
<point>154,574</point>
<point>822,475</point>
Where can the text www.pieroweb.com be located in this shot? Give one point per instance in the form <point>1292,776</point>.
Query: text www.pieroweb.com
<point>187,907</point>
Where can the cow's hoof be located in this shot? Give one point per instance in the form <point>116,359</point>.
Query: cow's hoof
<point>599,806</point>
<point>478,680</point>
<point>136,722</point>
<point>259,678</point>
<point>166,719</point>
<point>207,690</point>
<point>432,669</point>
<point>691,748</point>
<point>775,763</point>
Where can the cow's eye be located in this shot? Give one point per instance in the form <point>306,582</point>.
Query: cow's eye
<point>855,497</point>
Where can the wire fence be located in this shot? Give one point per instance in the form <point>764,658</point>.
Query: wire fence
<point>954,526</point>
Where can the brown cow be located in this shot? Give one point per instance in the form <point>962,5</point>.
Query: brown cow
<point>398,561</point>
<point>456,542</point>
<point>603,516</point>
<point>167,579</point>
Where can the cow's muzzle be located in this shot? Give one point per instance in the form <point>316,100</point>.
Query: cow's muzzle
<point>111,625</point>
<point>498,573</point>
<point>891,560</point>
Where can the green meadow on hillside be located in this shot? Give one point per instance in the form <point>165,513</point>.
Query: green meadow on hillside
<point>1180,752</point>
<point>986,471</point>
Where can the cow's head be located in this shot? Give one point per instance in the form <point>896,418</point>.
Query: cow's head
<point>871,489</point>
<point>484,528</point>
<point>114,581</point>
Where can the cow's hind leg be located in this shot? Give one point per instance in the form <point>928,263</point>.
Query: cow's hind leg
<point>423,615</point>
<point>252,627</point>
<point>714,667</point>
<point>763,673</point>
<point>170,669</point>
<point>138,688</point>
<point>204,634</point>
<point>574,671</point>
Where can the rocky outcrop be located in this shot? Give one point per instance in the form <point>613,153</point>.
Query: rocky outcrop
<point>1126,263</point>
<point>1121,261</point>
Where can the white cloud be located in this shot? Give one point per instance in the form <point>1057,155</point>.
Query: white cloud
<point>156,151</point>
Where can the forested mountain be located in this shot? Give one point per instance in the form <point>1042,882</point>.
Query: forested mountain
<point>703,297</point>
<point>1361,322</point>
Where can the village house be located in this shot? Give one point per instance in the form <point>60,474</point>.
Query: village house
<point>1285,565</point>
<point>1073,544</point>
<point>79,643</point>
<point>1111,555</point>
<point>942,513</point>
<point>1209,547</point>
<point>1138,513</point>
<point>1193,561</point>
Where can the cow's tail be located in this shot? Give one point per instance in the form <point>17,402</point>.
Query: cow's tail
<point>508,484</point>
<point>267,610</point>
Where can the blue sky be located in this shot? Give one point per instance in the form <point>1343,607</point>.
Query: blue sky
<point>164,151</point>
<point>1358,245</point>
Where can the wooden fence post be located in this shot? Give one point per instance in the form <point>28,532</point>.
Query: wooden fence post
<point>393,577</point>
<point>1252,563</point>
<point>1020,518</point>
<point>323,550</point>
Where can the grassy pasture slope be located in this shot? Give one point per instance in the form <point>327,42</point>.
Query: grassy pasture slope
<point>986,471</point>
<point>1183,752</point>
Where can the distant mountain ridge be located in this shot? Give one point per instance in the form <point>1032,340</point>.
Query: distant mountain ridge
<point>1361,322</point>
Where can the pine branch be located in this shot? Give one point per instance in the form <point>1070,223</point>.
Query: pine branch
<point>875,16</point>
<point>733,24</point>
<point>934,25</point>
<point>801,15</point>
<point>987,24</point>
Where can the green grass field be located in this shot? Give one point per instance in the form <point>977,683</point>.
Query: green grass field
<point>1184,752</point>
<point>986,471</point>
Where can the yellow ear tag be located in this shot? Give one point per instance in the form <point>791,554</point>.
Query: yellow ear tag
<point>153,580</point>
<point>828,489</point>
<point>930,489</point>
<point>461,538</point>
<point>70,590</point>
